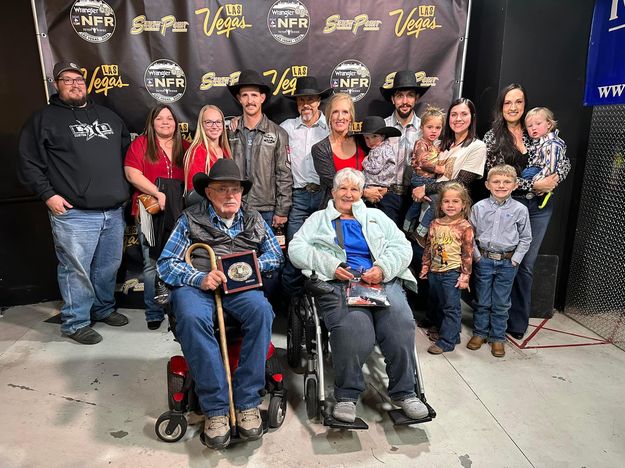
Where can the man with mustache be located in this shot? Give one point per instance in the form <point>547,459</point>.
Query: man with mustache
<point>404,93</point>
<point>71,157</point>
<point>261,150</point>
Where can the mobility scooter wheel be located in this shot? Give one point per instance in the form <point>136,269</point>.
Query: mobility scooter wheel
<point>294,338</point>
<point>170,428</point>
<point>276,411</point>
<point>312,401</point>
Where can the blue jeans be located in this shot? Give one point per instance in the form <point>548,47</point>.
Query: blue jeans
<point>493,285</point>
<point>194,309</point>
<point>445,299</point>
<point>153,311</point>
<point>415,208</point>
<point>521,307</point>
<point>304,204</point>
<point>267,216</point>
<point>394,206</point>
<point>89,245</point>
<point>354,332</point>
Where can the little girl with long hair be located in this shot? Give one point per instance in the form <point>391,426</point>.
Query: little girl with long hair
<point>446,264</point>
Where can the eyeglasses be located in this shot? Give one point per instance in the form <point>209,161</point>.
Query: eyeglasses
<point>212,123</point>
<point>69,81</point>
<point>227,190</point>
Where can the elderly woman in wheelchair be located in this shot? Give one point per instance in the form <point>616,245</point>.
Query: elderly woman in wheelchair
<point>343,243</point>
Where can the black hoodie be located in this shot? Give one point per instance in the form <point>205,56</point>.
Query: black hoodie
<point>75,152</point>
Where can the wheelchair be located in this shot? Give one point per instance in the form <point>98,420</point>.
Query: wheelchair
<point>307,337</point>
<point>171,426</point>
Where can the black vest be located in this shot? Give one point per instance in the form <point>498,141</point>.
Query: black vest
<point>202,229</point>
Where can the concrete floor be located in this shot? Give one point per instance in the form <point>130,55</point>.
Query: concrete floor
<point>69,405</point>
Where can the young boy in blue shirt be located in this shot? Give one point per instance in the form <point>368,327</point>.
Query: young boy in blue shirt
<point>502,237</point>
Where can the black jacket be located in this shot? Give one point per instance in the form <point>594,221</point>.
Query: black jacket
<point>75,152</point>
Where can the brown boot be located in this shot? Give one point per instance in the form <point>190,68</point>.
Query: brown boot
<point>498,349</point>
<point>475,343</point>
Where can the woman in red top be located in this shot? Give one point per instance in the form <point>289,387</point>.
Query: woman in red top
<point>158,152</point>
<point>339,149</point>
<point>209,145</point>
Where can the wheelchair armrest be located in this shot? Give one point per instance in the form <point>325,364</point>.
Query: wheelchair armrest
<point>316,287</point>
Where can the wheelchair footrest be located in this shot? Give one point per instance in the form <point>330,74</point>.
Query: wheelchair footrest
<point>400,419</point>
<point>358,424</point>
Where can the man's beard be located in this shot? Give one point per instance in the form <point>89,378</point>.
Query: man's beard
<point>76,102</point>
<point>404,115</point>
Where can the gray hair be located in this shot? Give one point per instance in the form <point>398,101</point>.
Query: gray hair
<point>350,175</point>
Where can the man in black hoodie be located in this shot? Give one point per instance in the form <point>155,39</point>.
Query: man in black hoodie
<point>71,156</point>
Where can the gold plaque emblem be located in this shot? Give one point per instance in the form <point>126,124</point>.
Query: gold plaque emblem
<point>240,271</point>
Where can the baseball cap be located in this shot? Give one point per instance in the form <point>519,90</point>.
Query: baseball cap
<point>65,66</point>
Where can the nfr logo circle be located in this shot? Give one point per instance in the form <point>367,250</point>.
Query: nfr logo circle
<point>93,20</point>
<point>288,21</point>
<point>165,80</point>
<point>351,77</point>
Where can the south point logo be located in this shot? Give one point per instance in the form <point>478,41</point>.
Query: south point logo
<point>165,80</point>
<point>141,24</point>
<point>288,21</point>
<point>420,76</point>
<point>93,20</point>
<point>411,26</point>
<point>335,23</point>
<point>223,24</point>
<point>210,79</point>
<point>351,77</point>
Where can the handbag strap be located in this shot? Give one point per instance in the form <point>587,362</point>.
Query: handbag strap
<point>338,227</point>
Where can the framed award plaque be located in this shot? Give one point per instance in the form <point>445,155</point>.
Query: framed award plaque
<point>241,270</point>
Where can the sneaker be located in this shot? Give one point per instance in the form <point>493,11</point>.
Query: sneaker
<point>433,349</point>
<point>413,407</point>
<point>115,319</point>
<point>345,411</point>
<point>249,423</point>
<point>475,343</point>
<point>217,432</point>
<point>154,324</point>
<point>86,335</point>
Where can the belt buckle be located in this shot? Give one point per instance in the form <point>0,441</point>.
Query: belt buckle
<point>494,255</point>
<point>311,188</point>
<point>529,195</point>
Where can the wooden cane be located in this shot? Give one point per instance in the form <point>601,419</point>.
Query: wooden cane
<point>220,322</point>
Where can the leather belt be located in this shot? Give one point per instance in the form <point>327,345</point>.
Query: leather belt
<point>497,255</point>
<point>312,188</point>
<point>398,189</point>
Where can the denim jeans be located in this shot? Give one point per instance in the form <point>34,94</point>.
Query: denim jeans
<point>521,307</point>
<point>194,310</point>
<point>415,209</point>
<point>267,216</point>
<point>153,311</point>
<point>354,332</point>
<point>445,298</point>
<point>394,206</point>
<point>304,204</point>
<point>89,245</point>
<point>493,285</point>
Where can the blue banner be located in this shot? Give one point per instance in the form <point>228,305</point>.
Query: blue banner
<point>605,75</point>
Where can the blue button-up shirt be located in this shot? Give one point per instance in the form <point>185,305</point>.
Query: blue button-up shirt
<point>301,140</point>
<point>404,144</point>
<point>501,227</point>
<point>173,269</point>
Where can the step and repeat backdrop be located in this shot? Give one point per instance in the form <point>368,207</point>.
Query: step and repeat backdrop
<point>135,54</point>
<point>184,53</point>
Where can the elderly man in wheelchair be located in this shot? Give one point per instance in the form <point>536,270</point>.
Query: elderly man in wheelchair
<point>219,222</point>
<point>345,241</point>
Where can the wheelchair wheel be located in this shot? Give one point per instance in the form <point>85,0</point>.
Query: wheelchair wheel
<point>312,402</point>
<point>178,431</point>
<point>294,338</point>
<point>175,383</point>
<point>276,411</point>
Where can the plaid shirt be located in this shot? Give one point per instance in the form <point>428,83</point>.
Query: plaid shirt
<point>173,269</point>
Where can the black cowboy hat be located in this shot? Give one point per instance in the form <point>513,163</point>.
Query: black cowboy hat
<point>249,78</point>
<point>223,169</point>
<point>404,79</point>
<point>375,124</point>
<point>307,86</point>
